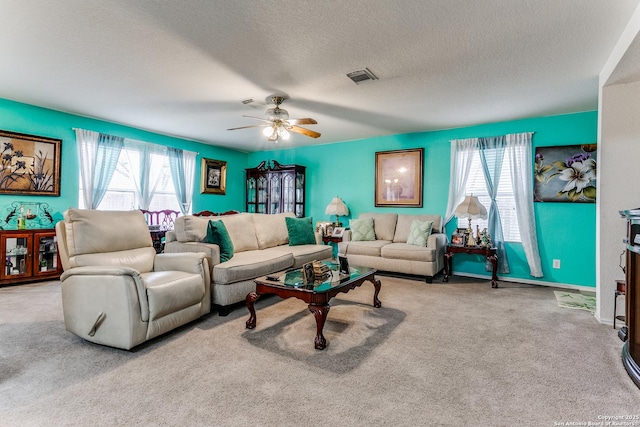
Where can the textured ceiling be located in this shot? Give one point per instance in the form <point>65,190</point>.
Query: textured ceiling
<point>182,68</point>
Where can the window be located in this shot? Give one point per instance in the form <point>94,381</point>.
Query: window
<point>505,198</point>
<point>121,194</point>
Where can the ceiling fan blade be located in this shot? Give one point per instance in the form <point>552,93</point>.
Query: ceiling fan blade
<point>258,118</point>
<point>305,121</point>
<point>251,126</point>
<point>307,132</point>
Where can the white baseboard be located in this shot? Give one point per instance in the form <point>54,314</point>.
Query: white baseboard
<point>531,282</point>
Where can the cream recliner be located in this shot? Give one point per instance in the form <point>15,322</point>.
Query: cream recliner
<point>116,290</point>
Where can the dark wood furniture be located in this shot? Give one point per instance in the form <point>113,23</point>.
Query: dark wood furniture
<point>332,239</point>
<point>273,188</point>
<point>159,222</point>
<point>209,213</point>
<point>29,256</point>
<point>631,333</point>
<point>290,284</point>
<point>489,253</point>
<point>621,289</point>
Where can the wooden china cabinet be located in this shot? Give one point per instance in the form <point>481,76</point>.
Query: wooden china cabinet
<point>274,188</point>
<point>29,256</point>
<point>631,332</point>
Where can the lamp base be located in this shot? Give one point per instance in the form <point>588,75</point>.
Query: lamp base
<point>471,241</point>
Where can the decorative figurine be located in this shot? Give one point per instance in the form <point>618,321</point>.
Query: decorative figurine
<point>471,241</point>
<point>486,239</point>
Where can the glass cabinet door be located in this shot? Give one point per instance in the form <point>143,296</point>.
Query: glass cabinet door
<point>288,193</point>
<point>17,251</point>
<point>261,186</point>
<point>274,194</point>
<point>299,194</point>
<point>46,249</point>
<point>251,195</point>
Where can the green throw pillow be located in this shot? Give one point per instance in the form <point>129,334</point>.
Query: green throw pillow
<point>419,232</point>
<point>362,229</point>
<point>300,231</point>
<point>217,234</point>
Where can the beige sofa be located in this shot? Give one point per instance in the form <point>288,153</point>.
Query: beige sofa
<point>116,290</point>
<point>261,247</point>
<point>390,250</point>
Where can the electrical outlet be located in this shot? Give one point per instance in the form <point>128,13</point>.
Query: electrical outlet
<point>556,263</point>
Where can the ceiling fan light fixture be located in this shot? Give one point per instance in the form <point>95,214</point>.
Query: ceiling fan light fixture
<point>283,133</point>
<point>268,131</point>
<point>273,114</point>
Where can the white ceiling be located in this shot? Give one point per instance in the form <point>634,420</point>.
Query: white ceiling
<point>183,67</point>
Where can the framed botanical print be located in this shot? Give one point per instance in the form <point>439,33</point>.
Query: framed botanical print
<point>29,164</point>
<point>399,178</point>
<point>213,176</point>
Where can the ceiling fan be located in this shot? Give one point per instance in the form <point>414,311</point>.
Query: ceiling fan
<point>278,124</point>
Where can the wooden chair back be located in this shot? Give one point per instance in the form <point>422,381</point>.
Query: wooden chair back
<point>163,219</point>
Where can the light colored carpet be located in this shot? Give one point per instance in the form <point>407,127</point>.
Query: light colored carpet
<point>576,301</point>
<point>454,354</point>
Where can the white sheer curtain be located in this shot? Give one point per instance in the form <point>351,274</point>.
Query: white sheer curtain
<point>519,147</point>
<point>183,166</point>
<point>144,160</point>
<point>189,160</point>
<point>461,157</point>
<point>98,155</point>
<point>87,144</point>
<point>492,151</point>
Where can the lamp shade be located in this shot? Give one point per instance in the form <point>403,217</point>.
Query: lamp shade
<point>471,208</point>
<point>337,207</point>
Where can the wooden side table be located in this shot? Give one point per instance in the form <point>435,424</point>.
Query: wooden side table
<point>327,239</point>
<point>489,253</point>
<point>332,239</point>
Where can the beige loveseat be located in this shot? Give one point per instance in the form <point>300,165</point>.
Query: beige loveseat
<point>260,244</point>
<point>390,250</point>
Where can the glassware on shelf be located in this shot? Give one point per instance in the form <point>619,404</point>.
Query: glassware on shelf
<point>8,266</point>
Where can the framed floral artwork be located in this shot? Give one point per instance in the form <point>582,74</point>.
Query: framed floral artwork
<point>399,178</point>
<point>565,174</point>
<point>213,176</point>
<point>29,165</point>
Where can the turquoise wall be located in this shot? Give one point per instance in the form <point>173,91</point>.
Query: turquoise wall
<point>24,118</point>
<point>566,231</point>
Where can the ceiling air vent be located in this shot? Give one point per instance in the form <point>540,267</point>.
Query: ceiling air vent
<point>362,76</point>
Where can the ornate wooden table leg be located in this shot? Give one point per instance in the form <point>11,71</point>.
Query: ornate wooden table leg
<point>448,264</point>
<point>320,313</point>
<point>251,298</point>
<point>494,274</point>
<point>376,285</point>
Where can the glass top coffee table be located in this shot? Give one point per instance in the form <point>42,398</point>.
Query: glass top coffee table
<point>290,284</point>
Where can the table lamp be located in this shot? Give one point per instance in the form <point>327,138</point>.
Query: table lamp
<point>337,208</point>
<point>471,208</point>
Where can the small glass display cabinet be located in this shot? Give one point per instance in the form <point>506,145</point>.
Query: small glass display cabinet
<point>29,256</point>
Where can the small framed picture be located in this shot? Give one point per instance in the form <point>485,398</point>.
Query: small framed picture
<point>337,232</point>
<point>458,239</point>
<point>344,265</point>
<point>213,176</point>
<point>321,227</point>
<point>329,229</point>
